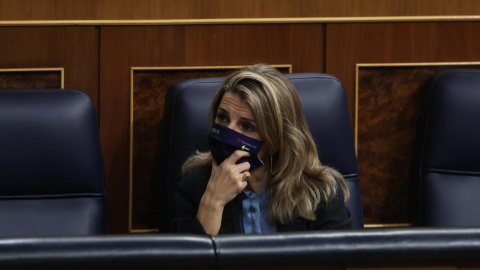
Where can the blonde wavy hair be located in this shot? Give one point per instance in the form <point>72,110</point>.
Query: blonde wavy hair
<point>299,182</point>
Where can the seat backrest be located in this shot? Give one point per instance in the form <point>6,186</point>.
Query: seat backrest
<point>51,168</point>
<point>325,107</point>
<point>449,163</point>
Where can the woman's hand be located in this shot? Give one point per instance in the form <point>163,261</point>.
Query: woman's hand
<point>226,181</point>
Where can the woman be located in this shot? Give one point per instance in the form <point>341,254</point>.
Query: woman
<point>229,191</point>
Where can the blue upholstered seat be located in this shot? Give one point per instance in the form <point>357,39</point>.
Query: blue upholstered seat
<point>51,170</point>
<point>450,166</point>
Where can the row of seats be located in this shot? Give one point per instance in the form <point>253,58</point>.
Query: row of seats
<point>411,248</point>
<point>51,169</point>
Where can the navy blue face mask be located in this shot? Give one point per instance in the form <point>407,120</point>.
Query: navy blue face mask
<point>224,141</point>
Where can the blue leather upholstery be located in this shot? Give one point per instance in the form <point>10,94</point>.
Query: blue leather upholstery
<point>133,251</point>
<point>51,170</point>
<point>325,107</point>
<point>407,248</point>
<point>382,246</point>
<point>450,167</point>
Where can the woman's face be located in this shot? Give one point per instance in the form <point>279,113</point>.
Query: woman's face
<point>237,115</point>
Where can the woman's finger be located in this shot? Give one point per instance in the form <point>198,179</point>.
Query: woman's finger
<point>245,176</point>
<point>236,156</point>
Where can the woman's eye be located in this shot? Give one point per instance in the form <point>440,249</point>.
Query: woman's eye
<point>248,127</point>
<point>222,118</point>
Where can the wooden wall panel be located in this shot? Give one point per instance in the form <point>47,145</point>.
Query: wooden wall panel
<point>212,9</point>
<point>122,48</point>
<point>28,78</point>
<point>73,48</point>
<point>387,43</point>
<point>349,44</point>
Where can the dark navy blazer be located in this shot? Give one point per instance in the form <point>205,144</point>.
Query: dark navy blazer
<point>194,183</point>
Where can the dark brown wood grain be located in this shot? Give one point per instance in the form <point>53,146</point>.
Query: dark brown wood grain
<point>359,43</point>
<point>389,103</point>
<point>73,48</point>
<point>213,9</point>
<point>30,79</point>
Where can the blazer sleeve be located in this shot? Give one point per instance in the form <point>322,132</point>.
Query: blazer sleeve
<point>333,215</point>
<point>186,199</point>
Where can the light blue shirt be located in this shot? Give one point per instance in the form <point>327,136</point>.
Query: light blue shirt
<point>254,213</point>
